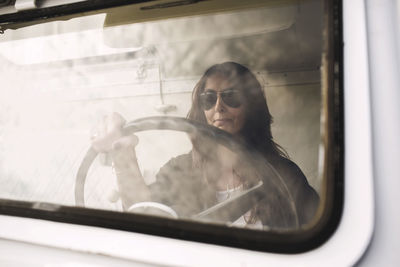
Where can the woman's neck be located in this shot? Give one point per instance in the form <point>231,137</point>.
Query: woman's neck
<point>228,178</point>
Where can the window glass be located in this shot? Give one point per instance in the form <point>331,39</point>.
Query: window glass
<point>225,109</point>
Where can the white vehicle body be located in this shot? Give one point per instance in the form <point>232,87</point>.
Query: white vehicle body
<point>368,233</point>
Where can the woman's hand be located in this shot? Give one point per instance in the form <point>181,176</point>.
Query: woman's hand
<point>110,139</point>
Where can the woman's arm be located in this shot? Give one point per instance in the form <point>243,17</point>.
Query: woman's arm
<point>131,185</point>
<point>109,139</point>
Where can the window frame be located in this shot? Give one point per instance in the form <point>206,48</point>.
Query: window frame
<point>292,242</point>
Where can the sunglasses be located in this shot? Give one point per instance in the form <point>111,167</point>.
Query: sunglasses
<point>231,97</point>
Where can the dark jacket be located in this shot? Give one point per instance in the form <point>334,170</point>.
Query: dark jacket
<point>288,200</point>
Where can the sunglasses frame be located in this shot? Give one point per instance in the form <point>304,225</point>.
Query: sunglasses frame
<point>223,95</point>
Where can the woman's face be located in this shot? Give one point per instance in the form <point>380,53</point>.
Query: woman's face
<point>222,115</point>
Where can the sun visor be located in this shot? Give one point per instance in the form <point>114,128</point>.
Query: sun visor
<point>222,25</point>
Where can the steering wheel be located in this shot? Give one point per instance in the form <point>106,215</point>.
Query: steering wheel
<point>228,210</point>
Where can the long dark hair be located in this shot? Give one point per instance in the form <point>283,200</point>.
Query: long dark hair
<point>256,132</point>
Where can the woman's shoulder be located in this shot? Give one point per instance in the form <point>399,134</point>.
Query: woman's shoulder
<point>305,197</point>
<point>177,168</point>
<point>286,166</point>
<point>181,162</point>
<point>291,174</point>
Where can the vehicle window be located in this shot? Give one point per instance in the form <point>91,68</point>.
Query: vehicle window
<point>217,118</point>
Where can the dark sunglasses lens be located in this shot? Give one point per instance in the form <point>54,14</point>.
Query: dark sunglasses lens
<point>208,100</point>
<point>231,98</point>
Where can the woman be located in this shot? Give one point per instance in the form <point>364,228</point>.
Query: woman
<point>229,97</point>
